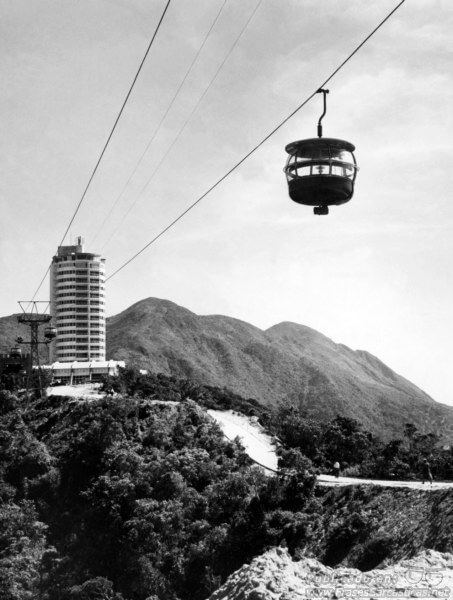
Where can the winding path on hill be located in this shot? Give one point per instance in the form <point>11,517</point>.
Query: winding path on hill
<point>331,481</point>
<point>261,449</point>
<point>258,445</point>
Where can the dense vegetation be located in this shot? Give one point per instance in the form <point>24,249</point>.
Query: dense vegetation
<point>359,452</point>
<point>361,526</point>
<point>140,496</point>
<point>130,499</point>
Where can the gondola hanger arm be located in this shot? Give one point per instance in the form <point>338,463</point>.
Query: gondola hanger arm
<point>324,93</point>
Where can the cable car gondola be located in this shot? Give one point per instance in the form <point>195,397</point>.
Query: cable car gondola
<point>15,353</point>
<point>321,171</point>
<point>50,333</point>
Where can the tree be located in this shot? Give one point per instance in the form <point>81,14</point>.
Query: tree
<point>8,402</point>
<point>22,546</point>
<point>98,588</point>
<point>410,431</point>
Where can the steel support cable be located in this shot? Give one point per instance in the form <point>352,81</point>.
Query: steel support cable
<point>269,135</point>
<point>157,129</point>
<point>109,138</point>
<point>178,135</point>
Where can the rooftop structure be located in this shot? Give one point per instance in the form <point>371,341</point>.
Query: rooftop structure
<point>82,372</point>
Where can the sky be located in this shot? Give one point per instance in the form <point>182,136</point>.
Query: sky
<point>375,274</point>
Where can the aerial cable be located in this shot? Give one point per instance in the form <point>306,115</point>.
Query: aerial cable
<point>269,135</point>
<point>195,108</point>
<point>109,138</point>
<point>157,129</point>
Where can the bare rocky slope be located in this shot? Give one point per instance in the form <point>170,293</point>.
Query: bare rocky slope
<point>287,361</point>
<point>275,576</point>
<point>369,543</point>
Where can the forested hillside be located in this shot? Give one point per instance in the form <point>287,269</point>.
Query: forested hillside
<point>131,500</point>
<point>286,362</point>
<point>140,496</point>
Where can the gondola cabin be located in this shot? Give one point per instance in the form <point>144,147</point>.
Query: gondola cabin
<point>50,333</point>
<point>15,353</point>
<point>321,172</point>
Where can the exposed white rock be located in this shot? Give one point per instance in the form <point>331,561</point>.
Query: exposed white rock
<point>275,576</point>
<point>258,445</point>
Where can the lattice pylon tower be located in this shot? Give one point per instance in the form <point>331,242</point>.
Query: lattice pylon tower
<point>34,318</point>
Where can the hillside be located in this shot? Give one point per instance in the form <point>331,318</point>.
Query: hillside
<point>10,329</point>
<point>287,361</point>
<point>137,498</point>
<point>274,575</point>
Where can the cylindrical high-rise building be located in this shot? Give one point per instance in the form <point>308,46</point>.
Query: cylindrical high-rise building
<point>77,304</point>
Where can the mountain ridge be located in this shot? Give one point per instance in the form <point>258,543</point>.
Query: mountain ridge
<point>285,362</point>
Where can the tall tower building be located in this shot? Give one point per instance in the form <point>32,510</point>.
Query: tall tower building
<point>77,304</point>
